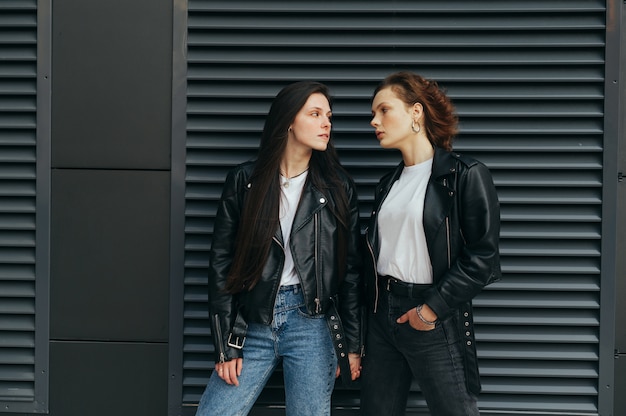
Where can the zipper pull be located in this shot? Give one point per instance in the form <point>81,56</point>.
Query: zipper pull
<point>318,305</point>
<point>222,358</point>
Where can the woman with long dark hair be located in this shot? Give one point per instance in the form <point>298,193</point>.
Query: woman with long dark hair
<point>284,275</point>
<point>433,246</point>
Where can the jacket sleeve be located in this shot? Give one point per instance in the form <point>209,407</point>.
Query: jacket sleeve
<point>222,307</point>
<point>351,291</point>
<point>477,263</point>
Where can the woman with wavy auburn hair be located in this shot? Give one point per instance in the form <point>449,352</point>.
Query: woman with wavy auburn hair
<point>432,247</point>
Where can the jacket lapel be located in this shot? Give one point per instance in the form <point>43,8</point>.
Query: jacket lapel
<point>311,201</point>
<point>439,193</point>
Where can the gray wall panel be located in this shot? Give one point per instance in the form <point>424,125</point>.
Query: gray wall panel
<point>109,241</point>
<point>620,313</point>
<point>112,83</point>
<point>108,379</point>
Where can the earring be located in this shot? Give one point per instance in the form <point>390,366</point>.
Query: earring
<point>419,128</point>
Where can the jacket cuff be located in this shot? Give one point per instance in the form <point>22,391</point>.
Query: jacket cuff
<point>434,300</point>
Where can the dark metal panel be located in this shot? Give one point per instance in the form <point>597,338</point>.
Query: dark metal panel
<point>620,386</point>
<point>620,247</point>
<point>108,378</point>
<point>528,79</point>
<point>110,243</point>
<point>177,210</point>
<point>109,106</point>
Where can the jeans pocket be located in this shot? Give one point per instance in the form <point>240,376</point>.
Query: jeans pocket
<point>302,311</point>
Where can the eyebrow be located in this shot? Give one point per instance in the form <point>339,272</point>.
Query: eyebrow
<point>379,105</point>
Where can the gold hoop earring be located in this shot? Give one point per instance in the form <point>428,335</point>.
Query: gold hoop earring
<point>419,128</point>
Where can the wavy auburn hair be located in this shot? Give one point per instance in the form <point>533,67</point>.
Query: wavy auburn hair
<point>440,117</point>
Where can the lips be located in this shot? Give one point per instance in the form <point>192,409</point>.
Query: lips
<point>379,134</point>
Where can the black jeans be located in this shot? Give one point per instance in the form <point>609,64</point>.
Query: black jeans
<point>395,354</point>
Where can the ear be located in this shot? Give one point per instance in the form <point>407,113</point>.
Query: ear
<point>417,111</point>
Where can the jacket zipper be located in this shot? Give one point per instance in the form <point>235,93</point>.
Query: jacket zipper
<point>448,239</point>
<point>318,303</point>
<point>371,250</point>
<point>275,293</point>
<point>445,183</point>
<point>220,340</point>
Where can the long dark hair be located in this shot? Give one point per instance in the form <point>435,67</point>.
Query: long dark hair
<point>440,117</point>
<point>260,213</point>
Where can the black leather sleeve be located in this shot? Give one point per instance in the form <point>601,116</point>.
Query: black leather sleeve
<point>222,308</point>
<point>475,232</point>
<point>350,295</point>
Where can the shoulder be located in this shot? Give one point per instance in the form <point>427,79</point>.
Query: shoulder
<point>472,168</point>
<point>241,172</point>
<point>238,178</point>
<point>449,159</point>
<point>464,160</point>
<point>244,168</point>
<point>455,161</point>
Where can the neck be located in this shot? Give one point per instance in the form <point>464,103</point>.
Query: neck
<point>421,151</point>
<point>294,166</point>
<point>293,173</point>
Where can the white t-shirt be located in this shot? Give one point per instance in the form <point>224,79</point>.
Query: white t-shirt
<point>403,250</point>
<point>289,199</point>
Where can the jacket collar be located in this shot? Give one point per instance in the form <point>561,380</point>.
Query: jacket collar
<point>444,163</point>
<point>311,201</point>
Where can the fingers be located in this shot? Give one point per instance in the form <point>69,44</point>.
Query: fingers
<point>404,318</point>
<point>355,366</point>
<point>413,320</point>
<point>230,370</point>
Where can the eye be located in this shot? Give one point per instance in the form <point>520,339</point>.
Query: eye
<point>315,114</point>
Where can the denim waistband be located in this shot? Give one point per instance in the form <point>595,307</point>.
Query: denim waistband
<point>289,297</point>
<point>290,288</point>
<point>400,288</point>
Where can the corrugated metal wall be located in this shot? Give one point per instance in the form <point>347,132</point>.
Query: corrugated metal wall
<point>23,218</point>
<point>528,81</point>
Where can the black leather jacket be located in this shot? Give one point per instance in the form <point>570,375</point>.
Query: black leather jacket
<point>462,227</point>
<point>313,246</point>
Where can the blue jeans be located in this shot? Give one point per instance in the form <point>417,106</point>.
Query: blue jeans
<point>395,354</point>
<point>303,344</point>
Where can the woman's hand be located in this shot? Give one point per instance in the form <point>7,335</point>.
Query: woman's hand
<point>415,321</point>
<point>355,365</point>
<point>230,370</point>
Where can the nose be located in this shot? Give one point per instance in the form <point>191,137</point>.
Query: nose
<point>326,121</point>
<point>374,122</point>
